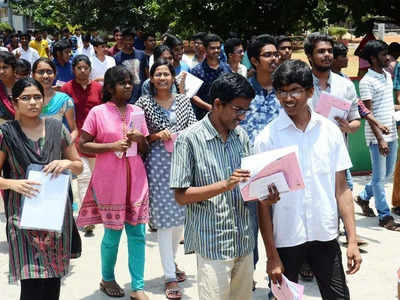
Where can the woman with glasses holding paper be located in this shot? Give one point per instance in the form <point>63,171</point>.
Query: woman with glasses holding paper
<point>38,258</point>
<point>118,192</point>
<point>166,114</point>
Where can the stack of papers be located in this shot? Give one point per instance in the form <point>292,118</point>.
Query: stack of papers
<point>46,210</point>
<point>280,167</point>
<point>288,290</point>
<point>192,84</point>
<point>331,107</point>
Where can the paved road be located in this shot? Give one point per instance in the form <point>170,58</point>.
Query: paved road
<point>376,279</point>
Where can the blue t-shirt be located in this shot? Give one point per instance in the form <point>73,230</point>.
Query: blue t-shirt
<point>136,63</point>
<point>182,67</point>
<point>208,75</point>
<point>64,73</point>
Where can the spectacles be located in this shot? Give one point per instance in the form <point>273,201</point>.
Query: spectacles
<point>241,51</point>
<point>270,54</point>
<point>42,72</point>
<point>239,111</point>
<point>26,98</point>
<point>293,94</point>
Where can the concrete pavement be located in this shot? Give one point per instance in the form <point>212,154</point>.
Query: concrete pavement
<point>376,279</point>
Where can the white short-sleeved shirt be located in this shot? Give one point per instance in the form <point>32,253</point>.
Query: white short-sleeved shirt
<point>340,87</point>
<point>30,55</point>
<point>89,51</point>
<point>379,89</point>
<point>310,214</point>
<point>99,68</point>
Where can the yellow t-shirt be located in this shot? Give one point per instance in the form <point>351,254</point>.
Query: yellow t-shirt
<point>40,47</point>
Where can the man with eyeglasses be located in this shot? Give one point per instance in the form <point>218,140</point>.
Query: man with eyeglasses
<point>235,52</point>
<point>303,225</point>
<point>199,50</point>
<point>205,172</point>
<point>208,71</point>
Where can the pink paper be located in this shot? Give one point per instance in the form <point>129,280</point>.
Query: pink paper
<point>326,102</point>
<point>288,165</point>
<point>136,121</point>
<point>288,290</point>
<point>169,145</point>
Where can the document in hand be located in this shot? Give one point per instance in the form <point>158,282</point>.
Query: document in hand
<point>46,210</point>
<point>279,166</point>
<point>331,107</point>
<point>192,84</point>
<point>169,145</point>
<point>135,121</point>
<point>288,290</point>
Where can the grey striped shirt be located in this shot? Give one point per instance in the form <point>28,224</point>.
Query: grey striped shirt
<point>379,89</point>
<point>217,228</point>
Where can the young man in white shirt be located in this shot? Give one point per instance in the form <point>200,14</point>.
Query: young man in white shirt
<point>26,52</point>
<point>376,91</point>
<point>303,225</point>
<point>87,48</point>
<point>100,62</point>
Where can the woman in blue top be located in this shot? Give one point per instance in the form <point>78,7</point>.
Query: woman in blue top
<point>56,105</point>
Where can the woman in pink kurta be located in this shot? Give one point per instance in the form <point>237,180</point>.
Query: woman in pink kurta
<point>118,192</point>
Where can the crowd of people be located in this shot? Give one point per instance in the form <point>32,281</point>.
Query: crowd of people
<point>74,103</point>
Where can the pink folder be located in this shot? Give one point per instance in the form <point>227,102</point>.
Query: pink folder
<point>136,121</point>
<point>288,165</point>
<point>288,290</point>
<point>327,102</point>
<point>169,145</point>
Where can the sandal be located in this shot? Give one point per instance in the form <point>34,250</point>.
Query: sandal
<point>111,289</point>
<point>389,223</point>
<point>140,295</point>
<point>173,292</point>
<point>306,273</point>
<point>180,275</point>
<point>366,210</point>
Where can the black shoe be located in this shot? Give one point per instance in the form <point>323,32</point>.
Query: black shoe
<point>396,210</point>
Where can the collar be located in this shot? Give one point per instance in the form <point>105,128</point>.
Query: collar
<point>211,132</point>
<point>208,68</point>
<point>316,80</point>
<point>376,74</point>
<point>284,121</point>
<point>257,87</point>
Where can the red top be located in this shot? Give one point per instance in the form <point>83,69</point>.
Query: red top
<point>84,100</point>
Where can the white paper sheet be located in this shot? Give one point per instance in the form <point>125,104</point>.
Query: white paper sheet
<point>259,188</point>
<point>46,210</point>
<point>192,84</point>
<point>337,112</point>
<point>288,290</point>
<point>255,163</point>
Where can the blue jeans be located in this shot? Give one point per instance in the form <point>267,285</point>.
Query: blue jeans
<point>382,168</point>
<point>349,179</point>
<point>254,226</point>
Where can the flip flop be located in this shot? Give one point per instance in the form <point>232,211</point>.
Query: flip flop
<point>112,289</point>
<point>173,293</point>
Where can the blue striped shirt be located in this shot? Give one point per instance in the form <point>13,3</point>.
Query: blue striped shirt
<point>217,228</point>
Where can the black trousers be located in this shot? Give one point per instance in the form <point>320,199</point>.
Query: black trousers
<point>40,289</point>
<point>325,259</point>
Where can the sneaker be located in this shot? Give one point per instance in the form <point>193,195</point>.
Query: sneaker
<point>389,223</point>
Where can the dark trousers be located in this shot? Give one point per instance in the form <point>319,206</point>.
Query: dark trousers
<point>325,259</point>
<point>40,289</point>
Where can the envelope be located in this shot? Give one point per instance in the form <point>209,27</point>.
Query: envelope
<point>283,160</point>
<point>136,121</point>
<point>331,107</point>
<point>169,145</point>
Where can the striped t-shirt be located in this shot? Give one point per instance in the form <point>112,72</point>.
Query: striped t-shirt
<point>378,88</point>
<point>217,228</point>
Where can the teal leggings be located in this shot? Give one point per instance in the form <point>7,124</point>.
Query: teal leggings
<point>136,253</point>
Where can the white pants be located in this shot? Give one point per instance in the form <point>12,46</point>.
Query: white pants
<point>168,241</point>
<point>225,279</point>
<point>84,178</point>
